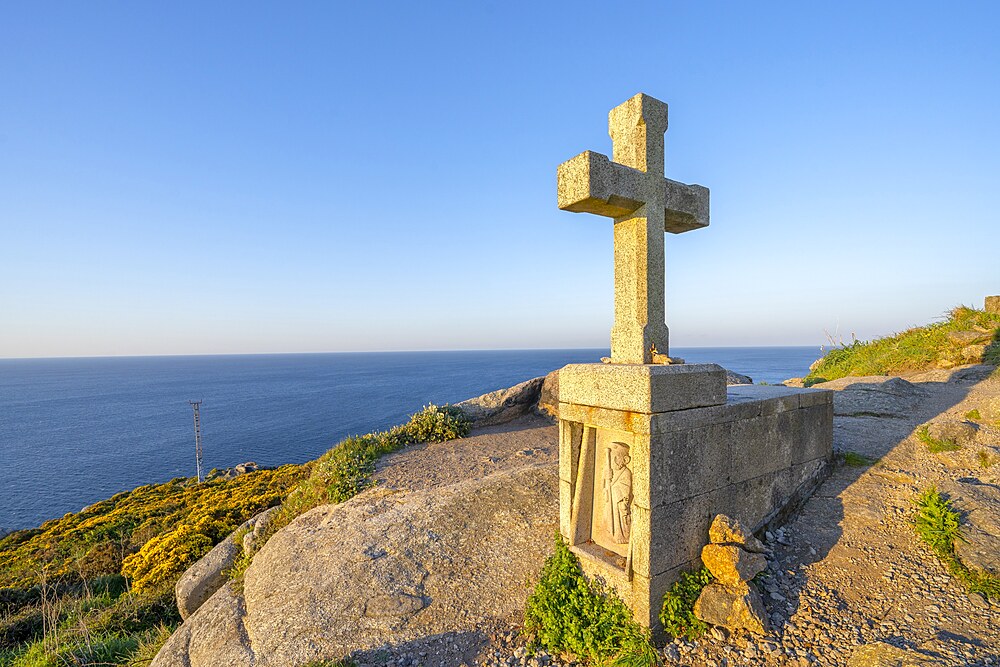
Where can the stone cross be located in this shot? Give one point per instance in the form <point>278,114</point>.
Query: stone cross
<point>644,204</point>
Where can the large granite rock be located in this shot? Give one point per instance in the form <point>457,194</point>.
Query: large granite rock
<point>548,400</point>
<point>873,396</point>
<point>383,567</point>
<point>979,504</point>
<point>732,377</point>
<point>209,574</point>
<point>503,405</point>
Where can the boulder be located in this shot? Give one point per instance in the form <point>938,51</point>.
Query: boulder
<point>385,567</point>
<point>874,396</point>
<point>213,635</point>
<point>953,430</point>
<point>548,399</point>
<point>992,304</point>
<point>964,338</point>
<point>725,530</point>
<point>979,505</point>
<point>210,572</point>
<point>880,654</point>
<point>503,405</point>
<point>731,565</point>
<point>732,377</point>
<point>733,609</point>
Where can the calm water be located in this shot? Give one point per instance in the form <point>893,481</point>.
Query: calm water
<point>75,431</point>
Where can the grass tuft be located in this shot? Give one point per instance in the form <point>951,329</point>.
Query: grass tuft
<point>973,415</point>
<point>986,460</point>
<point>939,526</point>
<point>856,460</point>
<point>934,445</point>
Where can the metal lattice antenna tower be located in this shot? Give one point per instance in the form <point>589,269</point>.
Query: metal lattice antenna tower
<point>196,405</point>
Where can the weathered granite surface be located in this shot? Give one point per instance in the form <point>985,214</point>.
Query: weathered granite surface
<point>383,567</point>
<point>503,405</point>
<point>210,572</point>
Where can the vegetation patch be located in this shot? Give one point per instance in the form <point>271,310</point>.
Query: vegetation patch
<point>677,614</point>
<point>939,526</point>
<point>986,460</point>
<point>347,468</point>
<point>973,415</point>
<point>856,460</point>
<point>569,615</point>
<point>919,348</point>
<point>935,445</point>
<point>96,587</point>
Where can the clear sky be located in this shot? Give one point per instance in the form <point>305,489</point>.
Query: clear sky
<point>333,176</point>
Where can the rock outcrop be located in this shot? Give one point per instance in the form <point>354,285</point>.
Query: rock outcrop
<point>383,567</point>
<point>503,405</point>
<point>873,396</point>
<point>732,377</point>
<point>210,573</point>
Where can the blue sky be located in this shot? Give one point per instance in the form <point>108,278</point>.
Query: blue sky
<point>289,177</point>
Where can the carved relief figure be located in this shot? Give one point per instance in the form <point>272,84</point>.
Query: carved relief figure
<point>617,482</point>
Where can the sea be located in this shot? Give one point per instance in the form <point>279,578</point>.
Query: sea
<point>76,431</point>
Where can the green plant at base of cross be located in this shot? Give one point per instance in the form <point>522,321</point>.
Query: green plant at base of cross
<point>677,615</point>
<point>568,614</point>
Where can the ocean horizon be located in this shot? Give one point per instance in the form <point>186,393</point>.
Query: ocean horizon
<point>76,430</point>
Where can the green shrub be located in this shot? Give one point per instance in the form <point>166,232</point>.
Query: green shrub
<point>677,615</point>
<point>566,613</point>
<point>973,415</point>
<point>934,445</point>
<point>939,526</point>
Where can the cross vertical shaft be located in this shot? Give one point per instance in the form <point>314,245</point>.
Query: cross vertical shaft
<point>637,128</point>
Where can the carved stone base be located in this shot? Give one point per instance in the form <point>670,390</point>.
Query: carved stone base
<point>639,488</point>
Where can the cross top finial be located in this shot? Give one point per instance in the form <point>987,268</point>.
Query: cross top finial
<point>644,204</point>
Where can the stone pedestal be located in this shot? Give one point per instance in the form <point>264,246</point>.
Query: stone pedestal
<point>649,454</point>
